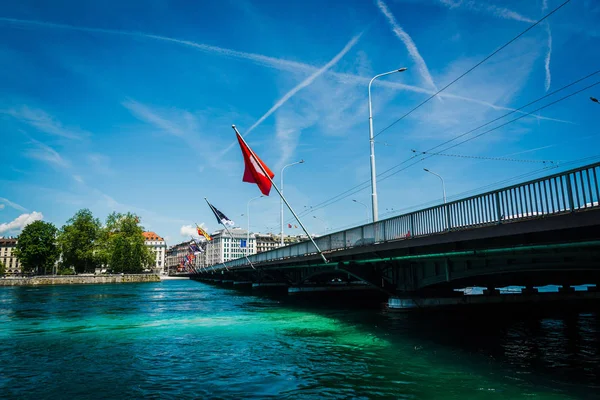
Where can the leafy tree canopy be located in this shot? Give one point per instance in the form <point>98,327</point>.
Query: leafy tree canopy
<point>78,240</point>
<point>36,248</point>
<point>123,246</point>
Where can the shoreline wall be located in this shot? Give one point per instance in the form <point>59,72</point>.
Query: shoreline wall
<point>79,280</point>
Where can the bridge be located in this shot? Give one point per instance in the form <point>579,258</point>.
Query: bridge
<point>541,232</point>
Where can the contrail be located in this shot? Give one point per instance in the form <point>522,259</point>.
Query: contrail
<point>408,42</point>
<point>257,58</point>
<point>260,59</point>
<point>548,80</point>
<point>300,86</point>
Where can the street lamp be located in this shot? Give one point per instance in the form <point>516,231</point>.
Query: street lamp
<point>372,144</point>
<point>365,206</point>
<point>248,217</point>
<point>442,179</point>
<point>595,100</point>
<point>281,197</point>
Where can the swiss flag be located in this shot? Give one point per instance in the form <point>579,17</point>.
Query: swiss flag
<point>253,173</point>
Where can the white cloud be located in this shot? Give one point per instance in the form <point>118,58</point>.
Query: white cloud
<point>188,230</point>
<point>13,205</point>
<point>409,43</point>
<point>17,225</point>
<point>47,154</point>
<point>45,122</point>
<point>1,206</point>
<point>78,178</point>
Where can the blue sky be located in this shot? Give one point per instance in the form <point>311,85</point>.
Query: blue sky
<point>128,106</point>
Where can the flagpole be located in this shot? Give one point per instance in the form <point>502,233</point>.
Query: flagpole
<point>199,248</point>
<point>282,197</point>
<point>230,234</point>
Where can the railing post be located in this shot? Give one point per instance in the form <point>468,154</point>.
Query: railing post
<point>345,243</point>
<point>412,224</point>
<point>498,208</point>
<point>447,207</point>
<point>570,194</point>
<point>383,231</point>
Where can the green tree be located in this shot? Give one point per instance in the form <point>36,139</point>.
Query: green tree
<point>78,240</point>
<point>36,248</point>
<point>122,245</point>
<point>2,268</point>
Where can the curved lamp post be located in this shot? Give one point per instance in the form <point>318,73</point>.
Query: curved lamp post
<point>372,144</point>
<point>365,206</point>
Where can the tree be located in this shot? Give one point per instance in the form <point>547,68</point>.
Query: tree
<point>2,268</point>
<point>36,248</point>
<point>122,245</point>
<point>78,240</point>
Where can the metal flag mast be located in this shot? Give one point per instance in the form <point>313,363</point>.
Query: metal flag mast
<point>230,234</point>
<point>199,248</point>
<point>280,194</point>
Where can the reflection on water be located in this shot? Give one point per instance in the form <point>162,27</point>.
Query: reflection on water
<point>183,339</point>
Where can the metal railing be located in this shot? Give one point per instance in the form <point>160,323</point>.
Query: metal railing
<point>564,192</point>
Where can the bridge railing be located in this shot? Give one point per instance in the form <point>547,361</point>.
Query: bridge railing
<point>565,192</point>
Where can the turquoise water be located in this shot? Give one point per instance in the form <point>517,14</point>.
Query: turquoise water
<point>184,339</point>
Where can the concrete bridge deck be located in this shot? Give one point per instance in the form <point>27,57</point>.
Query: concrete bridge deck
<point>545,231</point>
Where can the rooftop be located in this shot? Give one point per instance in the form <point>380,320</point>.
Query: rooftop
<point>151,236</point>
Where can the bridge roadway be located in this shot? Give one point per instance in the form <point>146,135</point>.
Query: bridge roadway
<point>540,232</point>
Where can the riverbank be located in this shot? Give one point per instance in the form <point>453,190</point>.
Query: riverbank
<point>79,280</point>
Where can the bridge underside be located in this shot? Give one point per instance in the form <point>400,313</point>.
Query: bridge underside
<point>561,250</point>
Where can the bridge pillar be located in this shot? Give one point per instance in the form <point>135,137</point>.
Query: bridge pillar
<point>242,284</point>
<point>566,289</point>
<point>490,291</point>
<point>529,290</point>
<point>270,287</point>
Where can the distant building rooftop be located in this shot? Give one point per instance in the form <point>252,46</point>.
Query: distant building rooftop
<point>151,236</point>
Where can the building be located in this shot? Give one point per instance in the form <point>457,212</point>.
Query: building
<point>270,241</point>
<point>224,247</point>
<point>266,242</point>
<point>176,254</point>
<point>8,257</point>
<point>158,246</point>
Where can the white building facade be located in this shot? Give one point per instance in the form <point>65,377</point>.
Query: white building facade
<point>8,257</point>
<point>225,247</point>
<point>158,246</point>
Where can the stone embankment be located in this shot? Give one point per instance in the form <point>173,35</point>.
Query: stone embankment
<point>78,279</point>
